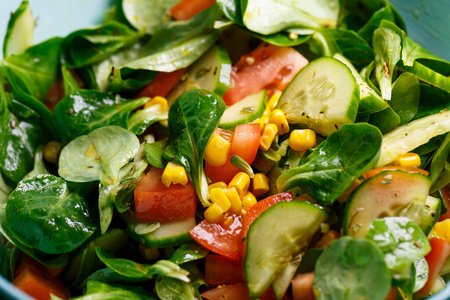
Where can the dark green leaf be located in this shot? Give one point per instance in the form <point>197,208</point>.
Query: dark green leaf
<point>129,84</point>
<point>432,100</point>
<point>384,13</point>
<point>144,118</point>
<point>174,289</point>
<point>231,9</point>
<point>188,252</point>
<point>71,84</point>
<point>385,120</point>
<point>154,153</point>
<point>351,269</point>
<point>193,117</point>
<point>427,75</point>
<point>99,290</point>
<point>438,162</point>
<point>405,97</point>
<point>333,166</point>
<point>59,219</point>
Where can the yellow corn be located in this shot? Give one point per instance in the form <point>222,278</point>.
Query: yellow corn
<point>241,181</point>
<point>262,122</point>
<point>268,135</point>
<point>260,184</point>
<point>217,150</point>
<point>219,184</point>
<point>442,229</point>
<point>273,101</point>
<point>219,198</point>
<point>266,112</point>
<point>278,118</point>
<point>214,213</point>
<point>174,173</point>
<point>229,219</point>
<point>248,201</point>
<point>158,100</point>
<point>408,160</point>
<point>302,139</point>
<point>326,239</point>
<point>233,195</point>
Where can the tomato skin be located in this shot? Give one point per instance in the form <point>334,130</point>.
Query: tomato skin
<point>266,67</point>
<point>38,286</point>
<point>440,250</point>
<point>302,286</point>
<point>238,291</point>
<point>220,269</point>
<point>161,84</point>
<point>154,202</point>
<point>256,210</point>
<point>445,192</point>
<point>245,144</point>
<point>186,9</point>
<point>220,239</point>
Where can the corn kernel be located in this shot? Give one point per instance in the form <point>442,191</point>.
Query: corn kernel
<point>268,136</point>
<point>158,100</point>
<point>218,184</point>
<point>217,150</point>
<point>302,139</point>
<point>326,239</point>
<point>219,198</point>
<point>273,101</point>
<point>442,229</point>
<point>262,122</point>
<point>278,118</point>
<point>174,173</point>
<point>241,181</point>
<point>408,160</point>
<point>260,184</point>
<point>248,201</point>
<point>233,195</point>
<point>229,220</point>
<point>214,213</point>
<point>267,112</point>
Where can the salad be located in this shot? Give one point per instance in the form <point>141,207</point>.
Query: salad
<point>203,149</point>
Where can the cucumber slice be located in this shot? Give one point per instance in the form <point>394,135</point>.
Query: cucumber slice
<point>323,96</point>
<point>168,234</point>
<point>407,137</point>
<point>245,111</point>
<point>19,34</point>
<point>369,101</point>
<point>210,72</point>
<point>275,239</point>
<point>430,214</point>
<point>388,194</point>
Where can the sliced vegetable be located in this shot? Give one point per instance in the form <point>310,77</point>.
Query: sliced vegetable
<point>19,34</point>
<point>245,111</point>
<point>39,286</point>
<point>186,9</point>
<point>222,270</point>
<point>161,84</point>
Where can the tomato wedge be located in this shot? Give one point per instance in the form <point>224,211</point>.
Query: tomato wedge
<point>439,253</point>
<point>186,9</point>
<point>445,192</point>
<point>220,239</point>
<point>154,202</point>
<point>220,269</point>
<point>266,67</point>
<point>161,84</point>
<point>302,286</point>
<point>38,286</point>
<point>245,144</point>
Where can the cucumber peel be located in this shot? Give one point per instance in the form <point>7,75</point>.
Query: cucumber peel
<point>322,96</point>
<point>19,34</point>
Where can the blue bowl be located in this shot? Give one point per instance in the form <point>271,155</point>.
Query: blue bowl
<point>428,23</point>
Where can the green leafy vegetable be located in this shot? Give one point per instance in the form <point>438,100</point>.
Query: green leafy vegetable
<point>142,119</point>
<point>170,288</point>
<point>405,97</point>
<point>58,218</point>
<point>351,269</point>
<point>100,290</point>
<point>98,155</point>
<point>333,166</point>
<point>188,252</point>
<point>193,117</point>
<point>154,153</point>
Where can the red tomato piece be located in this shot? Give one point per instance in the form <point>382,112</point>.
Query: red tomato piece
<point>161,84</point>
<point>267,67</point>
<point>238,291</point>
<point>302,286</point>
<point>38,286</point>
<point>440,250</point>
<point>445,192</point>
<point>256,210</point>
<point>154,202</point>
<point>245,144</point>
<point>186,9</point>
<point>220,269</point>
<point>220,239</point>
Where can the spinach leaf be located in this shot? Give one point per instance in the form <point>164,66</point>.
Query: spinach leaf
<point>83,111</point>
<point>351,269</point>
<point>45,215</point>
<point>37,68</point>
<point>438,163</point>
<point>405,97</point>
<point>98,155</point>
<point>413,51</point>
<point>427,75</point>
<point>401,241</point>
<point>144,118</point>
<point>432,100</point>
<point>385,120</point>
<point>188,252</point>
<point>170,288</point>
<point>179,43</point>
<point>133,269</point>
<point>71,84</point>
<point>39,166</point>
<point>335,164</point>
<point>231,10</point>
<point>108,275</point>
<point>269,16</point>
<point>154,153</point>
<point>5,189</point>
<point>387,48</point>
<point>193,117</point>
<point>100,290</point>
<point>385,13</point>
<point>88,46</point>
<point>147,16</point>
<point>128,81</point>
